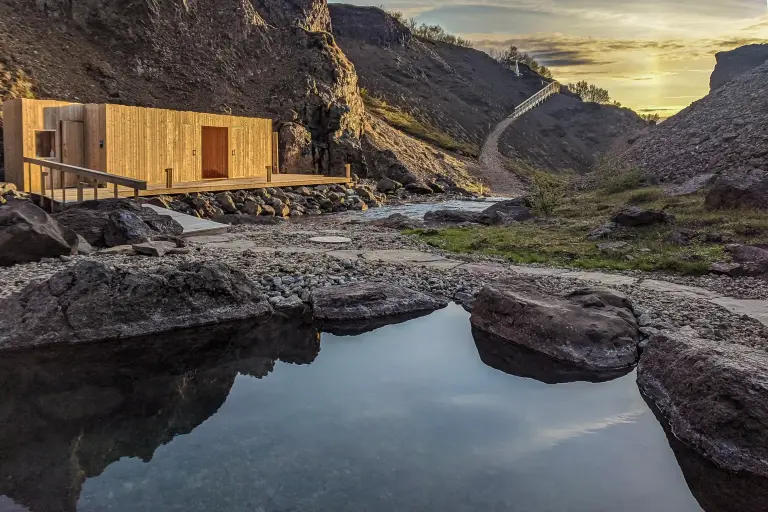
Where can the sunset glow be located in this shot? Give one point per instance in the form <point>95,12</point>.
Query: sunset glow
<point>653,56</point>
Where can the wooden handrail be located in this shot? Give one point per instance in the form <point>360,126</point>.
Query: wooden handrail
<point>89,173</point>
<point>536,99</point>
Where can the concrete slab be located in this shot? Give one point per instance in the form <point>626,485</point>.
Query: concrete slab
<point>677,289</point>
<point>406,257</point>
<point>193,226</point>
<point>345,254</point>
<point>536,271</point>
<point>484,268</point>
<point>757,309</point>
<point>330,240</point>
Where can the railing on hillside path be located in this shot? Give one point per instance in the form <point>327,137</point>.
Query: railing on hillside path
<point>46,171</point>
<point>536,100</point>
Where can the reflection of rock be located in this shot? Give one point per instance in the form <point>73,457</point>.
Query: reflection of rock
<point>716,489</point>
<point>363,325</point>
<point>66,413</point>
<point>514,359</point>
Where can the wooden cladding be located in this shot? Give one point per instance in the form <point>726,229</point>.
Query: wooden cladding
<point>138,143</point>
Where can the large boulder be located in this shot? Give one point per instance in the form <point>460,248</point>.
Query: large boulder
<point>714,396</point>
<point>28,234</point>
<point>743,190</point>
<point>505,212</point>
<point>593,328</point>
<point>635,217</point>
<point>94,302</point>
<point>364,302</point>
<point>453,217</point>
<point>113,222</point>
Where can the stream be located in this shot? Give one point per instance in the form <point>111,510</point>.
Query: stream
<point>421,415</point>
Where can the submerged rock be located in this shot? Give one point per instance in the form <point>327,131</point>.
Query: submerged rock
<point>714,396</point>
<point>364,302</point>
<point>28,234</point>
<point>93,302</point>
<point>593,328</point>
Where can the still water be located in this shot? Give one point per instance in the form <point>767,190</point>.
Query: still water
<point>404,418</point>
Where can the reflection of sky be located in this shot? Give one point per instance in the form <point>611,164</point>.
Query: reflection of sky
<point>651,55</point>
<point>408,418</point>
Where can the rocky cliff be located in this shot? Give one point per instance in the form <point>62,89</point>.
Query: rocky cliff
<point>273,58</point>
<point>725,132</point>
<point>735,62</point>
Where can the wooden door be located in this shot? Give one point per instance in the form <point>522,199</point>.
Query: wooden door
<point>237,152</point>
<point>72,148</point>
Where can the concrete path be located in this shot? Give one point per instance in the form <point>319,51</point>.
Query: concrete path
<point>757,309</point>
<point>193,226</point>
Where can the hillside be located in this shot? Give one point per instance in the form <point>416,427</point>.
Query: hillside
<point>567,134</point>
<point>725,132</point>
<point>462,91</point>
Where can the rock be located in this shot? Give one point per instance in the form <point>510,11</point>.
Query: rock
<point>125,228</point>
<point>397,221</point>
<point>161,201</point>
<point>94,302</point>
<point>727,269</point>
<point>161,224</point>
<point>295,149</point>
<point>593,328</point>
<point>268,210</point>
<point>681,237</point>
<point>633,217</point>
<point>453,217</point>
<point>28,234</point>
<point>90,224</point>
<point>733,63</point>
<point>157,249</point>
<point>330,240</point>
<point>418,188</point>
<point>602,231</point>
<point>615,247</point>
<point>753,259</point>
<point>505,212</point>
<point>366,301</point>
<point>83,247</point>
<point>118,250</point>
<point>365,193</point>
<point>739,190</point>
<point>251,207</point>
<point>714,396</point>
<point>690,186</point>
<point>226,202</point>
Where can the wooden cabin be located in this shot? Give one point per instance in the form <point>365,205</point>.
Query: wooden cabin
<point>172,151</point>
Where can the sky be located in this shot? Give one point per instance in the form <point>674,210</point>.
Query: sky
<point>652,56</point>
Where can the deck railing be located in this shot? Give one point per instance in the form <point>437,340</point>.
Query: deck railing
<point>47,168</point>
<point>535,100</point>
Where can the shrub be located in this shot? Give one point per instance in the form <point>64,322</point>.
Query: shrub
<point>614,174</point>
<point>648,195</point>
<point>547,192</point>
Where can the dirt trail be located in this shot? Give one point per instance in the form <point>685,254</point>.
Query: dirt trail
<point>492,170</point>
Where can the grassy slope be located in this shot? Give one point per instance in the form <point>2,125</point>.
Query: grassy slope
<point>407,123</point>
<point>561,240</point>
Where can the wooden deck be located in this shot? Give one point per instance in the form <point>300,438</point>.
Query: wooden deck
<point>278,180</point>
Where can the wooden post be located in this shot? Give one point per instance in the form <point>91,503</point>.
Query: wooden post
<point>62,178</point>
<point>348,171</point>
<point>275,153</point>
<point>53,190</point>
<point>135,194</point>
<point>42,187</point>
<point>169,178</point>
<point>115,189</point>
<point>29,172</point>
<point>95,189</point>
<point>269,174</point>
<point>79,189</point>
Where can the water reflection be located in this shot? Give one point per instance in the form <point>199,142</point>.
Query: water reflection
<point>521,361</point>
<point>69,412</point>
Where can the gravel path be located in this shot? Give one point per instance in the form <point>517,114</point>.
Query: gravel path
<point>284,261</point>
<point>492,168</point>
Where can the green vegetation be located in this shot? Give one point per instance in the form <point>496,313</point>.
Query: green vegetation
<point>590,92</point>
<point>651,118</point>
<point>559,236</point>
<point>407,123</point>
<point>513,54</point>
<point>430,32</point>
<point>613,175</point>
